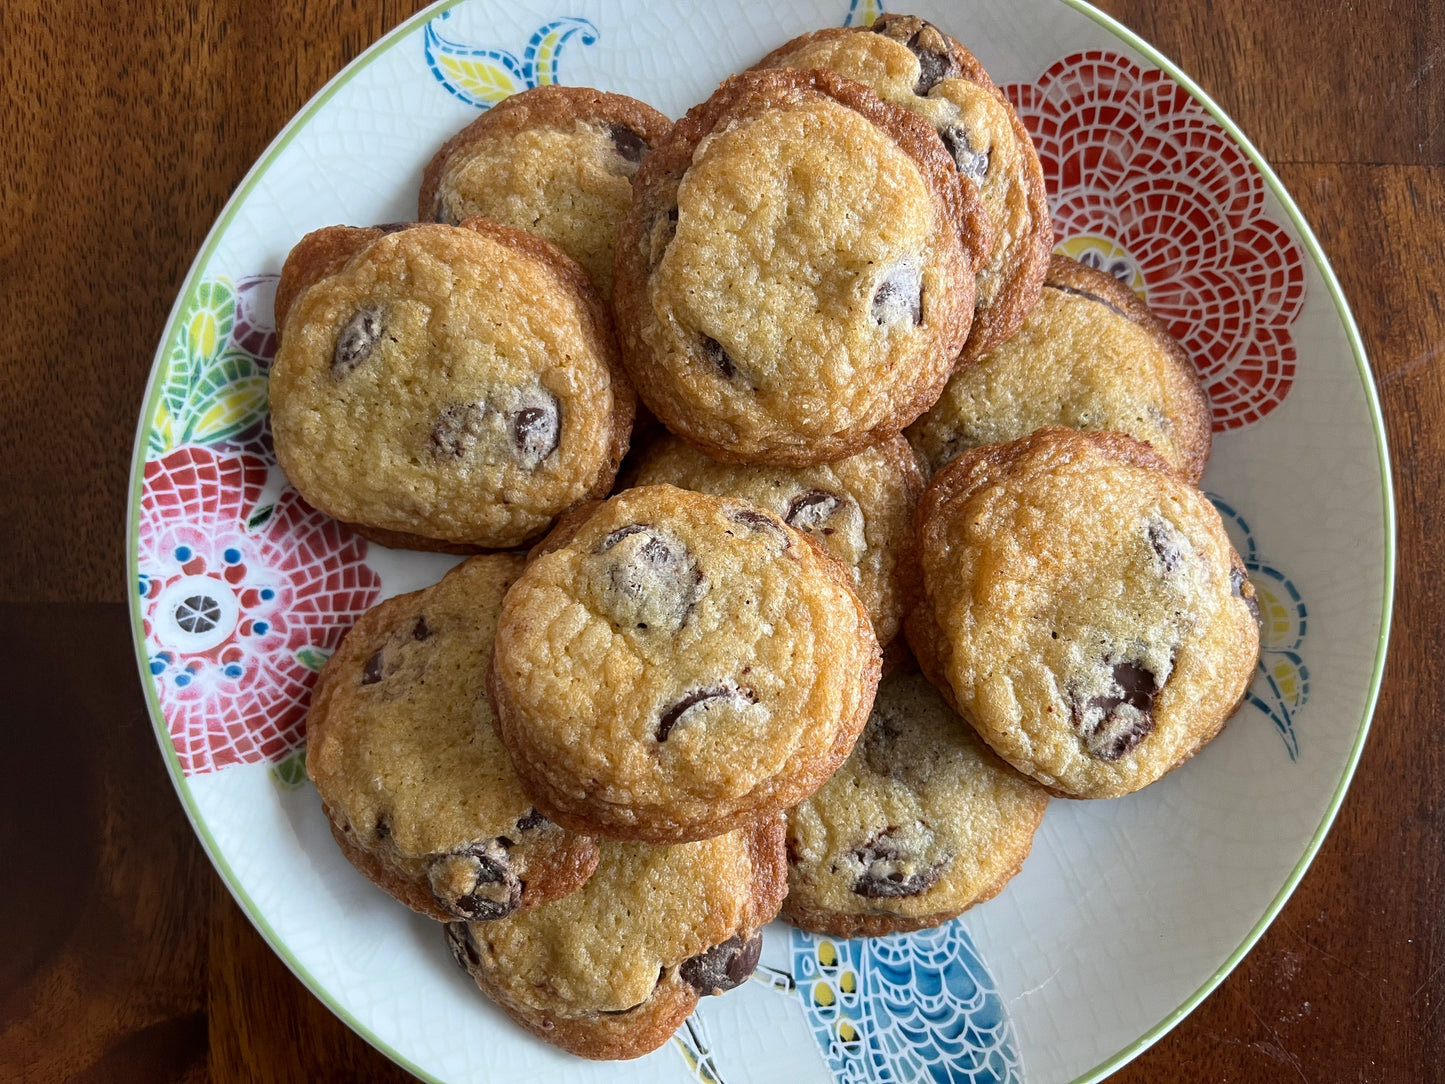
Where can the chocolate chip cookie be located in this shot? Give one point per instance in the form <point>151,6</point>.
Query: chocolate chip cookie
<point>555,161</point>
<point>913,64</point>
<point>1084,608</point>
<point>414,779</point>
<point>795,277</point>
<point>860,508</point>
<point>445,387</point>
<point>683,665</point>
<point>921,822</point>
<point>1090,355</point>
<point>613,970</point>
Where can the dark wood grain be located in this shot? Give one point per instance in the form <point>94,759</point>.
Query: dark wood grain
<point>127,125</point>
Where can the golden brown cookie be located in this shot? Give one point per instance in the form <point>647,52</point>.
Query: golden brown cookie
<point>415,781</point>
<point>1084,608</point>
<point>683,665</point>
<point>922,822</point>
<point>913,64</point>
<point>860,508</point>
<point>1091,355</point>
<point>445,386</point>
<point>613,970</point>
<point>795,277</point>
<point>555,161</point>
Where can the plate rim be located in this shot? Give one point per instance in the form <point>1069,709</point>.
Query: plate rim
<point>1130,38</point>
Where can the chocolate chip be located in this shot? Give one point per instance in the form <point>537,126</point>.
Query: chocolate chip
<point>456,429</point>
<point>899,296</point>
<point>971,163</point>
<point>357,340</point>
<point>722,967</point>
<point>1076,292</point>
<point>1114,723</point>
<point>394,227</point>
<point>727,694</point>
<point>475,882</point>
<point>894,864</point>
<point>628,143</point>
<point>927,43</point>
<point>880,743</point>
<point>652,579</point>
<point>463,946</point>
<point>714,352</point>
<point>1166,542</point>
<point>536,429</point>
<point>420,630</point>
<point>371,672</point>
<point>808,511</point>
<point>760,521</point>
<point>382,828</point>
<point>532,822</point>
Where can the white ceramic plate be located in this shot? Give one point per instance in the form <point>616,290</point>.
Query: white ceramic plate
<point>1128,911</point>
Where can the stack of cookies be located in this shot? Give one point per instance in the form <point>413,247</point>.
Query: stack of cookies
<point>873,410</point>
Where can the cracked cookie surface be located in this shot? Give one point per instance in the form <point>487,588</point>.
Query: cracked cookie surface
<point>1090,355</point>
<point>555,161</point>
<point>860,508</point>
<point>1084,609</point>
<point>417,785</point>
<point>445,386</point>
<point>681,665</point>
<point>795,277</point>
<point>613,970</point>
<point>922,821</point>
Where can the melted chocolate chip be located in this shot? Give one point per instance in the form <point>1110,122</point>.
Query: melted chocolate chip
<point>628,143</point>
<point>357,340</point>
<point>456,429</point>
<point>1076,292</point>
<point>714,352</point>
<point>1165,542</point>
<point>532,822</point>
<point>371,672</point>
<point>536,430</point>
<point>722,967</point>
<point>475,882</point>
<point>463,946</point>
<point>394,227</point>
<point>899,297</point>
<point>729,694</point>
<point>880,743</point>
<point>927,43</point>
<point>1112,725</point>
<point>760,521</point>
<point>420,630</point>
<point>652,580</point>
<point>894,865</point>
<point>808,511</point>
<point>971,163</point>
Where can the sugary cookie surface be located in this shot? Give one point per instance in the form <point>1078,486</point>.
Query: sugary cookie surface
<point>860,508</point>
<point>920,823</point>
<point>401,747</point>
<point>452,383</point>
<point>1087,358</point>
<point>1092,620</point>
<point>791,283</point>
<point>555,161</point>
<point>682,665</point>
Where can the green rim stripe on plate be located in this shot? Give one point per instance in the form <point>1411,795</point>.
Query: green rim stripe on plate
<point>283,140</point>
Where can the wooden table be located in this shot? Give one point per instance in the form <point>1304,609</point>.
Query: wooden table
<point>128,124</point>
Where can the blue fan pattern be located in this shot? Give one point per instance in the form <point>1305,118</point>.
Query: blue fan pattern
<point>903,1008</point>
<point>483,77</point>
<point>1282,685</point>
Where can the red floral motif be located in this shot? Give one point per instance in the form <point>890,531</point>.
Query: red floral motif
<point>1145,183</point>
<point>238,619</point>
